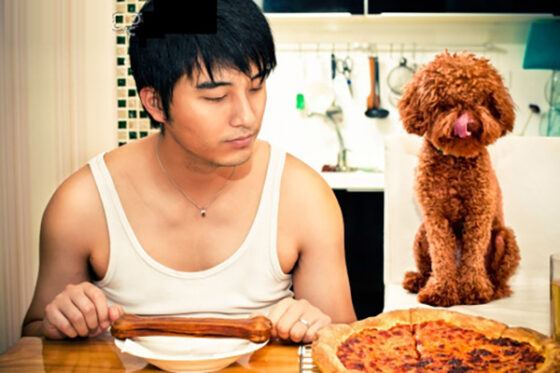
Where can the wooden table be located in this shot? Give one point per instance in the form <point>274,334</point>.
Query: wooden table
<point>32,354</point>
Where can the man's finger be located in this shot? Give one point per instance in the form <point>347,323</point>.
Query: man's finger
<point>73,315</point>
<point>313,329</point>
<point>86,307</point>
<point>56,325</point>
<point>97,297</point>
<point>297,332</point>
<point>278,310</point>
<point>276,313</point>
<point>115,312</point>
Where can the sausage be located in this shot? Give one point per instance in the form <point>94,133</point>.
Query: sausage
<point>256,329</point>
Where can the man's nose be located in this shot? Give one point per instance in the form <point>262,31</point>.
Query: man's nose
<point>243,111</point>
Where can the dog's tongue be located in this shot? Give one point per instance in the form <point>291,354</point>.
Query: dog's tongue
<point>460,128</point>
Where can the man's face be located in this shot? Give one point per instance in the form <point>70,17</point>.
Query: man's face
<point>217,121</point>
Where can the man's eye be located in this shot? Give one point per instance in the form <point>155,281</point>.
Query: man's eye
<point>215,99</point>
<point>256,89</point>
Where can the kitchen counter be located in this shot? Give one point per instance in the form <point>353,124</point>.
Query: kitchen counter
<point>358,181</point>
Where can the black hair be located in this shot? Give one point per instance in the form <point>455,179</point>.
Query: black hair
<point>242,38</point>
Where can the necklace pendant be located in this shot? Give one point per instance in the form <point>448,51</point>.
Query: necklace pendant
<point>203,213</point>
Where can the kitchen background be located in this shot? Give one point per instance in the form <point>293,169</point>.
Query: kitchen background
<point>66,95</point>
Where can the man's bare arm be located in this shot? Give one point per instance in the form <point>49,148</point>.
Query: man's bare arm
<point>314,226</point>
<point>69,230</point>
<point>320,275</point>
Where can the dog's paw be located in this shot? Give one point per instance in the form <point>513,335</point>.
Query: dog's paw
<point>414,281</point>
<point>443,294</point>
<point>475,289</point>
<point>502,292</point>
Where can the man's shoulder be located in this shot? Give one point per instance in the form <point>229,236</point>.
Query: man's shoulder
<point>80,188</point>
<point>73,212</point>
<point>78,193</point>
<point>309,209</point>
<point>303,185</point>
<point>297,171</point>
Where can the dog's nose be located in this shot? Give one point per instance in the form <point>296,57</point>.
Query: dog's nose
<point>462,124</point>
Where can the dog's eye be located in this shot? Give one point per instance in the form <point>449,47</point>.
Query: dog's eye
<point>491,105</point>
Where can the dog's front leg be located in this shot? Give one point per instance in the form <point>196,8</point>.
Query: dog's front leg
<point>441,288</point>
<point>474,285</point>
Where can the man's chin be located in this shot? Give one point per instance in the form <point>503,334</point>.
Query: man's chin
<point>238,159</point>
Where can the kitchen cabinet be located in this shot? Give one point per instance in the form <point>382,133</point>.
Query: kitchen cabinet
<point>360,7</point>
<point>463,6</point>
<point>363,238</point>
<point>313,6</point>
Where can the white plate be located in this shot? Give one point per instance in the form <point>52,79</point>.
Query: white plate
<point>188,354</point>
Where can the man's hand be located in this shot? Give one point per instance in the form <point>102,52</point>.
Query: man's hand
<point>80,310</point>
<point>297,320</point>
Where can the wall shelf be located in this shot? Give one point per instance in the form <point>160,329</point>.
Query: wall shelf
<point>402,27</point>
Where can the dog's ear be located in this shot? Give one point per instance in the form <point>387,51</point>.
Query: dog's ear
<point>409,110</point>
<point>499,102</point>
<point>501,107</point>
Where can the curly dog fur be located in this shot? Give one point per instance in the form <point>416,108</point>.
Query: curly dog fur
<point>463,251</point>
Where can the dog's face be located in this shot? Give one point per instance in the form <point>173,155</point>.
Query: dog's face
<point>459,103</point>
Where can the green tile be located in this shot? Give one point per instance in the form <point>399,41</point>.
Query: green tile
<point>131,114</point>
<point>122,124</point>
<point>120,1</point>
<point>120,61</point>
<point>121,82</point>
<point>133,135</point>
<point>121,40</point>
<point>119,19</point>
<point>122,103</point>
<point>129,71</point>
<point>121,143</point>
<point>143,114</point>
<point>131,8</point>
<point>131,92</point>
<point>143,133</point>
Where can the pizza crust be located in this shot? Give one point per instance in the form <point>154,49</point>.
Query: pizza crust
<point>490,328</point>
<point>532,337</point>
<point>326,345</point>
<point>331,337</point>
<point>543,344</point>
<point>383,321</point>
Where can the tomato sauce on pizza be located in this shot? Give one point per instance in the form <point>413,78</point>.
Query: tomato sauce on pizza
<point>444,341</point>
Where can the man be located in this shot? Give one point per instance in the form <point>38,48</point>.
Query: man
<point>202,219</point>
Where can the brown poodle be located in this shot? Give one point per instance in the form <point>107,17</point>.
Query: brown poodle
<point>464,252</point>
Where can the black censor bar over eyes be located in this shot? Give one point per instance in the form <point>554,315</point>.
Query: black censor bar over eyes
<point>163,17</point>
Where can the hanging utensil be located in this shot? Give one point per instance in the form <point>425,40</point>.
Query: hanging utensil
<point>344,66</point>
<point>333,66</point>
<point>373,109</point>
<point>397,79</point>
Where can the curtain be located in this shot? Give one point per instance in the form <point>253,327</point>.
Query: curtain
<point>57,110</point>
<point>16,258</point>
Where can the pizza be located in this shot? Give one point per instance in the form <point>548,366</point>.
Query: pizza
<point>433,340</point>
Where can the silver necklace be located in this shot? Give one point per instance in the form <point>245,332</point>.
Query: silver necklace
<point>201,208</point>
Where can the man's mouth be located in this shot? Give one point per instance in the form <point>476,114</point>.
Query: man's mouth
<point>241,141</point>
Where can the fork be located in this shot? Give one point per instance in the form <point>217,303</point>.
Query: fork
<point>306,364</point>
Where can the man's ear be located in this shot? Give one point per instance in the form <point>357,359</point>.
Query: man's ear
<point>152,104</point>
<point>409,110</point>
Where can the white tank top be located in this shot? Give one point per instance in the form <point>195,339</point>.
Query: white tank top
<point>250,280</point>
